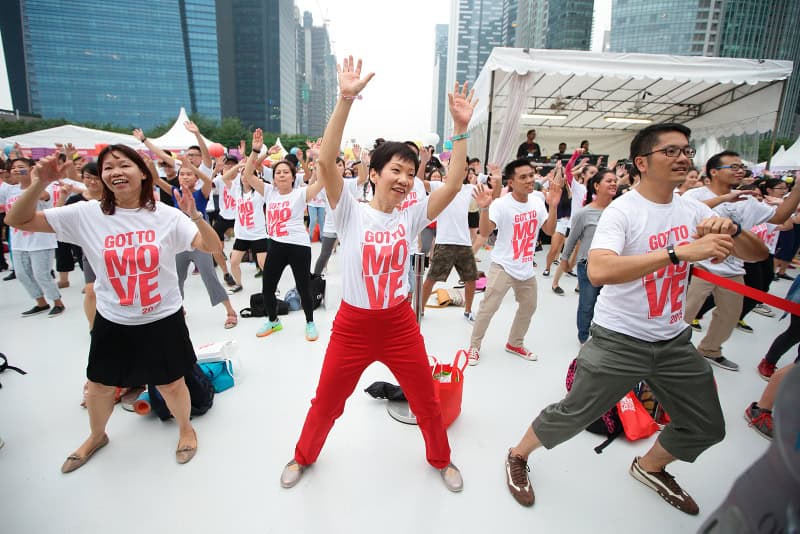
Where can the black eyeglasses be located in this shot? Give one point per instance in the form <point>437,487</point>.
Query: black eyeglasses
<point>674,151</point>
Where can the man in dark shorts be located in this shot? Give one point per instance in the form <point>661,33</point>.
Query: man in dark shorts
<point>640,254</point>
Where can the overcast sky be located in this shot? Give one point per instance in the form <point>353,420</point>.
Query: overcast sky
<point>396,42</point>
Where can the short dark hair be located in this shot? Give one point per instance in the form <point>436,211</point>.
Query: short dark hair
<point>413,146</point>
<point>511,168</point>
<point>231,159</point>
<point>384,153</point>
<point>770,183</point>
<point>27,161</point>
<point>107,202</point>
<point>291,158</point>
<point>532,130</point>
<point>194,147</point>
<point>91,168</point>
<point>646,138</point>
<point>473,160</point>
<point>714,161</point>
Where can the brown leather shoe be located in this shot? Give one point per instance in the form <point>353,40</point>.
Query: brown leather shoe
<point>74,461</point>
<point>186,453</point>
<point>519,484</point>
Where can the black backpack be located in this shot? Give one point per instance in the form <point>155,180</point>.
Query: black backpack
<point>256,308</point>
<point>317,286</point>
<point>201,392</point>
<point>609,424</point>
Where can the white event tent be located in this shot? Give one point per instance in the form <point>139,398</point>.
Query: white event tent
<point>786,159</point>
<point>82,138</point>
<point>605,98</point>
<point>178,137</point>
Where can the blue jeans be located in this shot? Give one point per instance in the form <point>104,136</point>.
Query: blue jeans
<point>586,299</point>
<point>316,215</point>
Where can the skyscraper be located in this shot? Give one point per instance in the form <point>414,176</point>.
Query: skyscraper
<point>439,107</point>
<point>477,28</point>
<point>555,24</point>
<point>257,63</point>
<point>122,65</point>
<point>730,28</point>
<point>323,81</point>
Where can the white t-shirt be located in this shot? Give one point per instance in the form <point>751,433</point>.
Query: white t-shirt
<point>132,252</point>
<point>250,223</point>
<point>452,227</point>
<point>227,204</point>
<point>55,190</point>
<point>21,239</point>
<point>650,308</point>
<point>768,233</point>
<point>416,195</point>
<point>578,197</point>
<point>518,224</point>
<point>375,251</point>
<point>285,216</point>
<point>747,213</point>
<point>319,201</point>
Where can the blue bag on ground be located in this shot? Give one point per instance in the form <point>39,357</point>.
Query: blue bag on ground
<point>220,374</point>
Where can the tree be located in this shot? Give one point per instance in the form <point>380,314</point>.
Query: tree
<point>765,144</point>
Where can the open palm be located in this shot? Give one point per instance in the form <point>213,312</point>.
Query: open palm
<point>350,81</point>
<point>462,104</point>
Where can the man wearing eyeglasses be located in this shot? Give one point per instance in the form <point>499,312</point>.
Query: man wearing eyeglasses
<point>640,254</point>
<point>727,171</point>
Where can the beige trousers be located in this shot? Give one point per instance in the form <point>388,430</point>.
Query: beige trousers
<point>498,284</point>
<point>724,317</point>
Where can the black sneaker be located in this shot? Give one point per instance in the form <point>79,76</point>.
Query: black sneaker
<point>36,310</point>
<point>546,273</point>
<point>229,279</point>
<point>577,290</point>
<point>234,289</point>
<point>666,486</point>
<point>55,312</point>
<point>558,291</point>
<point>259,273</point>
<point>744,327</point>
<point>695,324</point>
<point>10,276</point>
<point>785,276</point>
<point>517,479</point>
<point>572,274</point>
<point>722,361</point>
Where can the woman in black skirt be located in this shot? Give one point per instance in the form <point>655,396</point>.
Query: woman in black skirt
<point>139,334</point>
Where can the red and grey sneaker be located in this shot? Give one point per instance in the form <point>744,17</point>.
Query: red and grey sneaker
<point>666,486</point>
<point>473,356</point>
<point>522,352</point>
<point>766,369</point>
<point>759,419</point>
<point>519,484</point>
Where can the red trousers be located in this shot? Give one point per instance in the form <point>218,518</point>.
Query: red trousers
<point>360,337</point>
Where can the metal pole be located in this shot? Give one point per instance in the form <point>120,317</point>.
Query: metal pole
<point>775,128</point>
<point>418,264</point>
<point>489,128</point>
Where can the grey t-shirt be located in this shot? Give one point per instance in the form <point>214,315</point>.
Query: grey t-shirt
<point>583,225</point>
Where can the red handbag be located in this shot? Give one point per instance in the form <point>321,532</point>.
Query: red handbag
<point>448,386</point>
<point>636,421</point>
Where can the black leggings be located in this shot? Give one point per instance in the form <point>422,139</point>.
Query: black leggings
<point>298,257</point>
<point>325,254</point>
<point>784,342</point>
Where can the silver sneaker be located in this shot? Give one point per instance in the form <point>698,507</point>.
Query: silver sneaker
<point>763,309</point>
<point>722,361</point>
<point>292,474</point>
<point>452,478</point>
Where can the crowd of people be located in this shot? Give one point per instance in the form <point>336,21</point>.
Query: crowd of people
<point>137,222</point>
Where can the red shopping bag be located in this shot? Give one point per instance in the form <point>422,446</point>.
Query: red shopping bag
<point>448,386</point>
<point>636,421</point>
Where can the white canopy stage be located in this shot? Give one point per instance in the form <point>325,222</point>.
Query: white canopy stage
<point>178,137</point>
<point>786,160</point>
<point>82,138</point>
<point>568,96</point>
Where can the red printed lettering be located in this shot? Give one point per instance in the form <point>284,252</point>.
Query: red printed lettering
<point>665,284</point>
<point>384,268</point>
<point>524,236</point>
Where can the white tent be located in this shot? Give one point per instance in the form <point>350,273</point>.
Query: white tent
<point>178,137</point>
<point>786,159</point>
<point>82,138</point>
<point>594,96</point>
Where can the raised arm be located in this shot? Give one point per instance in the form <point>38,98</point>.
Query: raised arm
<point>787,207</point>
<point>253,160</point>
<point>23,214</point>
<point>160,153</point>
<point>192,127</point>
<point>555,190</point>
<point>483,198</point>
<point>203,177</point>
<point>571,163</point>
<point>350,85</point>
<point>461,106</point>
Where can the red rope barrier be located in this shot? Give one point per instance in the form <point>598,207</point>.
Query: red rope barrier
<point>755,294</point>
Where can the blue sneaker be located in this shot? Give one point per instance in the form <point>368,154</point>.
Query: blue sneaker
<point>311,332</point>
<point>269,327</point>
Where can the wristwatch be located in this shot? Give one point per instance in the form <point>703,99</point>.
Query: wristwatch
<point>673,257</point>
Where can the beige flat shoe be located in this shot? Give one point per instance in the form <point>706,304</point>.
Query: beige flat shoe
<point>186,453</point>
<point>74,461</point>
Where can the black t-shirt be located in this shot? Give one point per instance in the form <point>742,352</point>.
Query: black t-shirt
<point>531,150</point>
<point>165,197</point>
<point>73,199</point>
